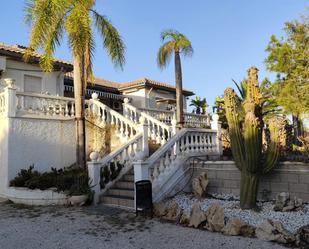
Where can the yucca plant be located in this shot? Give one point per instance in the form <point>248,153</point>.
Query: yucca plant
<point>246,124</point>
<point>50,20</point>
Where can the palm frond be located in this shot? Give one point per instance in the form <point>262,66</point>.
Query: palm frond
<point>169,33</point>
<point>112,40</point>
<point>164,54</point>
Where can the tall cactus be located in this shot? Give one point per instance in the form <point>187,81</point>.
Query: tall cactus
<point>246,138</point>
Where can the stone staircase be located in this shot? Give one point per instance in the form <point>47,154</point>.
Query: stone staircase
<point>122,193</point>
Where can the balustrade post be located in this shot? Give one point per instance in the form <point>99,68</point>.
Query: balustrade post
<point>174,125</point>
<point>10,98</point>
<point>125,108</point>
<point>94,176</point>
<point>216,125</point>
<point>141,170</point>
<point>143,128</point>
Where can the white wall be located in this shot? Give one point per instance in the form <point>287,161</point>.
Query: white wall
<point>43,142</point>
<point>17,70</point>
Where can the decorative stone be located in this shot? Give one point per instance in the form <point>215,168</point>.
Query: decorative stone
<point>94,96</point>
<point>94,156</point>
<point>303,237</point>
<point>159,209</point>
<point>199,185</point>
<point>236,227</point>
<point>282,200</point>
<point>197,216</point>
<point>185,217</point>
<point>215,218</point>
<point>285,204</point>
<point>273,231</point>
<point>173,212</point>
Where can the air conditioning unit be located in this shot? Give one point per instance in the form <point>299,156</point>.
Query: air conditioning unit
<point>2,63</point>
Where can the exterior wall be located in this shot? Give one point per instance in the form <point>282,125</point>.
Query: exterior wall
<point>290,177</point>
<point>45,143</point>
<point>146,97</point>
<point>51,82</point>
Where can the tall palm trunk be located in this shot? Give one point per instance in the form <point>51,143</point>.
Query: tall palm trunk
<point>79,95</point>
<point>179,96</point>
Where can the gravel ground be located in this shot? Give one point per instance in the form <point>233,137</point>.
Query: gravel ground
<point>290,220</point>
<point>24,227</point>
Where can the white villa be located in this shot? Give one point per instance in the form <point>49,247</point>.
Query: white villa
<point>37,128</point>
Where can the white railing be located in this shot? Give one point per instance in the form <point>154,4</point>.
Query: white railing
<point>103,173</point>
<point>193,120</point>
<point>163,165</point>
<point>105,115</point>
<point>34,104</point>
<point>157,130</point>
<point>163,116</point>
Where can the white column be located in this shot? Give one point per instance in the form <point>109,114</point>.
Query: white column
<point>141,171</point>
<point>10,98</point>
<point>216,125</point>
<point>94,176</point>
<point>125,108</point>
<point>143,128</point>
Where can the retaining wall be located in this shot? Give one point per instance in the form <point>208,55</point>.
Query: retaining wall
<point>224,177</point>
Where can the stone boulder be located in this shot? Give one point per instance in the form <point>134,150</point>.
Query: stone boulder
<point>235,227</point>
<point>285,204</point>
<point>199,185</point>
<point>215,218</point>
<point>185,217</point>
<point>173,212</point>
<point>160,209</point>
<point>302,237</point>
<point>273,231</point>
<point>197,216</point>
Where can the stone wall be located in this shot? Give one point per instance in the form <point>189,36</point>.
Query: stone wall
<point>224,177</point>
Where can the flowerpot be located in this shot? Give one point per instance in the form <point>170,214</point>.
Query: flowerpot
<point>78,200</point>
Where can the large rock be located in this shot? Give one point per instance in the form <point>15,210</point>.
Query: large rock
<point>197,216</point>
<point>215,218</point>
<point>273,231</point>
<point>303,237</point>
<point>199,185</point>
<point>236,227</point>
<point>185,217</point>
<point>160,209</point>
<point>285,204</point>
<point>173,212</point>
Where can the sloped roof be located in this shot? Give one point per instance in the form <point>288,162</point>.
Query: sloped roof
<point>18,51</point>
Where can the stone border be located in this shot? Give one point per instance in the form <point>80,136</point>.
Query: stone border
<point>36,197</point>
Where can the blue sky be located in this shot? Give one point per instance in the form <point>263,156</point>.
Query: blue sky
<point>228,36</point>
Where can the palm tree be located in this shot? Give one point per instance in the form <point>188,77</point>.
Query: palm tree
<point>197,104</point>
<point>49,20</point>
<point>176,44</point>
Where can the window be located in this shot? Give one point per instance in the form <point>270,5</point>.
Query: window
<point>32,84</point>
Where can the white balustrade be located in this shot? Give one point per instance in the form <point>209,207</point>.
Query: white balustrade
<point>163,116</point>
<point>157,130</point>
<point>105,115</point>
<point>42,105</point>
<point>187,143</point>
<point>105,172</point>
<point>193,120</point>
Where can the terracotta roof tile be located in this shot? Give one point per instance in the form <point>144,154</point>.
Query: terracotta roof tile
<point>20,50</point>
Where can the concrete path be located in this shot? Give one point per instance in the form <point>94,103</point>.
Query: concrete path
<point>81,228</point>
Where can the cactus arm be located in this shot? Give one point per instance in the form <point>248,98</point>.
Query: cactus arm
<point>273,150</point>
<point>236,137</point>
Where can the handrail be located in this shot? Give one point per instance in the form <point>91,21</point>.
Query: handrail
<point>44,96</point>
<point>157,130</point>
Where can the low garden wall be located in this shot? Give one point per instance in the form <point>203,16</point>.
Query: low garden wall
<point>36,197</point>
<point>224,177</point>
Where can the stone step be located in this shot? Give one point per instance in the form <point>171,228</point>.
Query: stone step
<point>117,200</point>
<point>125,184</point>
<point>121,192</point>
